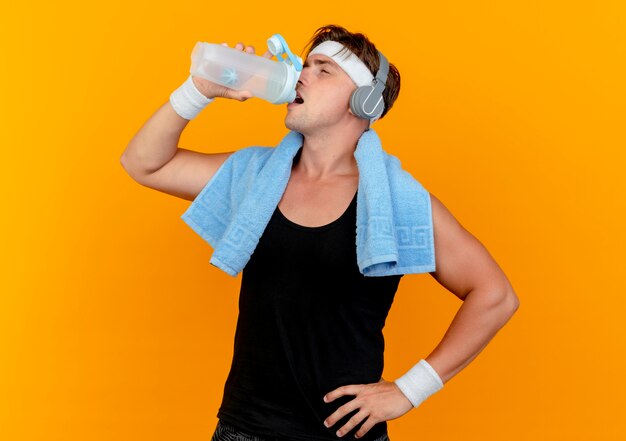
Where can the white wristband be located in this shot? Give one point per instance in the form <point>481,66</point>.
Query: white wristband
<point>420,382</point>
<point>188,101</point>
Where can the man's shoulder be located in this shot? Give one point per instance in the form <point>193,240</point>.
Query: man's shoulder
<point>247,161</point>
<point>399,175</point>
<point>251,155</point>
<point>253,151</point>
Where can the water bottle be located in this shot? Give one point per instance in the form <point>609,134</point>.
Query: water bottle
<point>273,81</point>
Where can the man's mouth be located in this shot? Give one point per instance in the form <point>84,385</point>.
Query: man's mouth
<point>297,101</point>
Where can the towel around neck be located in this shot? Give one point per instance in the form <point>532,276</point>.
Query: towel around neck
<point>394,231</point>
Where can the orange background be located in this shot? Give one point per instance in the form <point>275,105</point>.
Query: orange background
<point>113,325</point>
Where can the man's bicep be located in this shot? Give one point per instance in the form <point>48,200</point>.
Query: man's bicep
<point>186,174</point>
<point>462,262</point>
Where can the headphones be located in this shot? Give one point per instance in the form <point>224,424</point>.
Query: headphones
<point>367,101</point>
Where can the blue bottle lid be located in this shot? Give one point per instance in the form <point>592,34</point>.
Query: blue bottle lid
<point>278,46</point>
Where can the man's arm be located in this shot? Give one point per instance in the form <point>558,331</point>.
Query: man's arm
<point>153,158</point>
<point>465,268</point>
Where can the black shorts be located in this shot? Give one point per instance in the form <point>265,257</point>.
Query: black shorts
<point>226,432</point>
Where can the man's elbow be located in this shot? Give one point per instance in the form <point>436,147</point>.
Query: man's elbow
<point>123,161</point>
<point>131,170</point>
<point>511,301</point>
<point>505,306</point>
<point>505,301</point>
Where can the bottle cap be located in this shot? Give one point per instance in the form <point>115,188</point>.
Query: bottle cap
<point>293,63</point>
<point>288,94</point>
<point>275,45</point>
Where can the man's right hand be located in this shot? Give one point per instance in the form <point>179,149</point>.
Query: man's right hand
<point>213,90</point>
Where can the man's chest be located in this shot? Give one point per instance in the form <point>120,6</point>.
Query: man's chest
<point>313,204</point>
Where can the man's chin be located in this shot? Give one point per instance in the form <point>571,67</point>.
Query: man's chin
<point>293,126</point>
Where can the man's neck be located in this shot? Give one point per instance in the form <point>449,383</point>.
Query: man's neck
<point>327,157</point>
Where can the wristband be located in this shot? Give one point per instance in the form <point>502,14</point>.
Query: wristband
<point>420,382</point>
<point>188,101</point>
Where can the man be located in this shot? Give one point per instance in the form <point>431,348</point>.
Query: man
<point>308,345</point>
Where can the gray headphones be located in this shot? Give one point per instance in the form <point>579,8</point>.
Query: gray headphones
<point>367,101</point>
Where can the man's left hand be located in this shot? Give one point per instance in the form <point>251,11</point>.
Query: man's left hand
<point>377,402</point>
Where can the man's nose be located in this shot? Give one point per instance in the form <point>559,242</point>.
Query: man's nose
<point>304,76</point>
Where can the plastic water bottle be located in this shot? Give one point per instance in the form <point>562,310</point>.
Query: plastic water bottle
<point>273,81</point>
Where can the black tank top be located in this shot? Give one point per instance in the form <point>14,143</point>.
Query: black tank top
<point>309,322</point>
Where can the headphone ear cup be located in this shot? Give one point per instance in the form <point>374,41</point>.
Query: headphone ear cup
<point>358,100</point>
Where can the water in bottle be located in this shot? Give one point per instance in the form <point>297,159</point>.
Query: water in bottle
<point>273,81</point>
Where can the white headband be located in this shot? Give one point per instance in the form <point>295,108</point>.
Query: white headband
<point>350,63</point>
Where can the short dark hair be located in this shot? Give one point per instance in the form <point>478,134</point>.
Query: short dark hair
<point>363,48</point>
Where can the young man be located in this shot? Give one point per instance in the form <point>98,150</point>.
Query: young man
<point>308,346</point>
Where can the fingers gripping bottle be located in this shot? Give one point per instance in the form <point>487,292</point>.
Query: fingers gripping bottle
<point>273,81</point>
